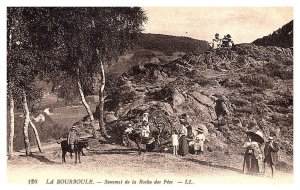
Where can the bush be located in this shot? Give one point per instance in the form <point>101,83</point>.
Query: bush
<point>276,69</point>
<point>240,102</point>
<point>257,80</point>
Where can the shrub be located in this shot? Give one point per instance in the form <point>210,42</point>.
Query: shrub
<point>240,102</point>
<point>258,80</point>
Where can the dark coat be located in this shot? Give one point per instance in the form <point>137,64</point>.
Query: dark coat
<point>271,155</point>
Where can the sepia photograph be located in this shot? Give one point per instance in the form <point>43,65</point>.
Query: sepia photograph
<point>149,95</point>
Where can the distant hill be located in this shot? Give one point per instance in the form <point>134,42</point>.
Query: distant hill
<point>157,48</point>
<point>283,37</point>
<point>169,44</point>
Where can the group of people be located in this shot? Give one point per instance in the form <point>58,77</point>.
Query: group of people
<point>186,140</point>
<point>218,42</point>
<point>258,160</point>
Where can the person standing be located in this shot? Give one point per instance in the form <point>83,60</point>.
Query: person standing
<point>199,141</point>
<point>145,129</point>
<point>175,142</point>
<point>271,154</point>
<point>216,42</point>
<point>183,144</point>
<point>252,155</point>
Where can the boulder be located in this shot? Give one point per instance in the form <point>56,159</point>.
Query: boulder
<point>110,117</point>
<point>178,98</point>
<point>203,99</point>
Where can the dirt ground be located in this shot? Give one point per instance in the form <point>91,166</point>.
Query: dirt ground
<point>115,164</point>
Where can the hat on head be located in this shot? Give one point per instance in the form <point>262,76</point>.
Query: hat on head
<point>146,113</point>
<point>271,138</point>
<point>73,127</point>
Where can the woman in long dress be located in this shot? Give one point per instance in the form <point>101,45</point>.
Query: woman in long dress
<point>183,144</point>
<point>252,155</point>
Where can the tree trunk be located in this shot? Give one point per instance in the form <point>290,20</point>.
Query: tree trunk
<point>101,97</point>
<point>85,104</point>
<point>26,123</point>
<point>36,136</point>
<point>11,123</point>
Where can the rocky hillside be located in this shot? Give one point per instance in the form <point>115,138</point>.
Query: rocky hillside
<point>282,37</point>
<point>255,84</point>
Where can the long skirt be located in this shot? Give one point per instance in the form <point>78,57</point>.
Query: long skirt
<point>250,164</point>
<point>183,146</point>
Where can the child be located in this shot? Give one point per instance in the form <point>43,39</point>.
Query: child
<point>175,142</point>
<point>199,141</point>
<point>72,137</point>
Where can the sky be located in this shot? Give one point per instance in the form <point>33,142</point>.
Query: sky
<point>243,24</point>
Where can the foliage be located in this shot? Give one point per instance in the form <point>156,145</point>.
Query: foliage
<point>258,80</point>
<point>282,37</point>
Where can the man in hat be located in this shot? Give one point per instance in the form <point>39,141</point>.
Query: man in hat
<point>72,137</point>
<point>230,42</point>
<point>199,141</point>
<point>271,154</point>
<point>227,42</point>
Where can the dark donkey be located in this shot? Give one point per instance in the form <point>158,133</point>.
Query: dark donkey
<point>136,136</point>
<point>78,146</point>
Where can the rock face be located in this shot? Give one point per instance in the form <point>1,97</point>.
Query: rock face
<point>226,91</point>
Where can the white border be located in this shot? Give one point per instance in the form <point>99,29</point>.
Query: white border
<point>155,3</point>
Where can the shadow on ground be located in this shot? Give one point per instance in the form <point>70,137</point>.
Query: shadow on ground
<point>207,163</point>
<point>115,151</point>
<point>40,158</point>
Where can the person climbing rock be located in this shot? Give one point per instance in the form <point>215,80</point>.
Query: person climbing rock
<point>221,107</point>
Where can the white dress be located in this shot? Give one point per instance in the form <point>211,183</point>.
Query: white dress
<point>199,141</point>
<point>175,140</point>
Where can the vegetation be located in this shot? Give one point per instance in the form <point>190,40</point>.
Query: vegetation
<point>58,43</point>
<point>282,37</point>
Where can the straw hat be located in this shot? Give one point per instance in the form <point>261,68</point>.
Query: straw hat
<point>73,127</point>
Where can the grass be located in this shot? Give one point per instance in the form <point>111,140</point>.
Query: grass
<point>55,126</point>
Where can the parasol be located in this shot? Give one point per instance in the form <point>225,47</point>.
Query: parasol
<point>257,137</point>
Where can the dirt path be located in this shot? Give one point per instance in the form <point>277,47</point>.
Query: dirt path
<point>115,163</point>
